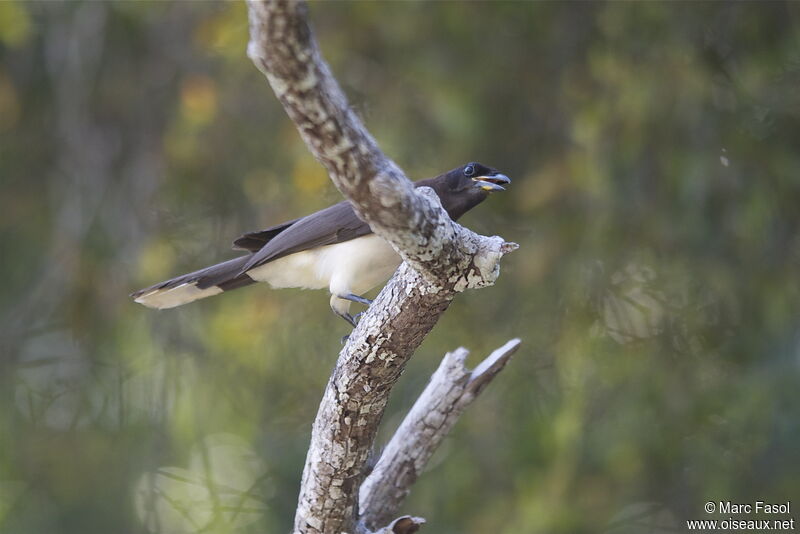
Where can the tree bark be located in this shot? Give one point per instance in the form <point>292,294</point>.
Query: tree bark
<point>441,257</point>
<point>452,388</point>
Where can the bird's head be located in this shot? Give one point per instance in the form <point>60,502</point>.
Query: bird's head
<point>463,188</point>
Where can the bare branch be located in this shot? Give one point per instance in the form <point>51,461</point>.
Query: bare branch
<point>451,389</point>
<point>442,258</point>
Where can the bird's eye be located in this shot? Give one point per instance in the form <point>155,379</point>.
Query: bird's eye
<point>469,171</point>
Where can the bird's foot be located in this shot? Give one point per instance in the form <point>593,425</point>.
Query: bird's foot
<point>352,320</point>
<point>356,319</point>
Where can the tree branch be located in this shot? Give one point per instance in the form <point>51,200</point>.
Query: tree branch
<point>283,47</point>
<point>441,259</point>
<point>452,388</point>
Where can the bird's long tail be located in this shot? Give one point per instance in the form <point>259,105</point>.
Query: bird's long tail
<point>197,285</point>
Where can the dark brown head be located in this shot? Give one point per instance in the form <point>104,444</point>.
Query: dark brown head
<point>465,187</point>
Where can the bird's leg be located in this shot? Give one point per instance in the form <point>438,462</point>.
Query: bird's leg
<point>355,298</point>
<point>346,316</point>
<point>356,318</point>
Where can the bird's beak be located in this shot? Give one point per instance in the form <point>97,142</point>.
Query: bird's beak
<point>492,183</point>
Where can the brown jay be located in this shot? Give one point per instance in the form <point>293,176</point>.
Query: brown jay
<point>331,248</point>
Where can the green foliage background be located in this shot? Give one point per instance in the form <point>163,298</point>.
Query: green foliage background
<point>656,197</point>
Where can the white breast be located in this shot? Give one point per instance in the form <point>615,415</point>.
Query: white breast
<point>355,266</point>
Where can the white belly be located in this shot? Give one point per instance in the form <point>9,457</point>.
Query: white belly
<point>355,266</point>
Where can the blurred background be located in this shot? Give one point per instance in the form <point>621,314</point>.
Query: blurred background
<point>655,153</point>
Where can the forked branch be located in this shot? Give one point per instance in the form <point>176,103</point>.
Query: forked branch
<point>441,259</point>
<point>452,388</point>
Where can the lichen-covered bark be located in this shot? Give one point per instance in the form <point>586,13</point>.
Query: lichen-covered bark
<point>356,395</point>
<point>451,389</point>
<point>441,257</point>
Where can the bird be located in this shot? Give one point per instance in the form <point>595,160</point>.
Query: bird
<point>331,248</point>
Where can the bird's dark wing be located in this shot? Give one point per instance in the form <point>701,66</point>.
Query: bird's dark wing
<point>336,224</point>
<point>255,241</point>
<point>226,275</point>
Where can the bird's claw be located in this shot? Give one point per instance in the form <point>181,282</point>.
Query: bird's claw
<point>352,319</point>
<point>356,318</point>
